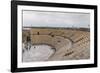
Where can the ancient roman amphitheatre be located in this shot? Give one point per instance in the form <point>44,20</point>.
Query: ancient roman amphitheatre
<point>54,44</point>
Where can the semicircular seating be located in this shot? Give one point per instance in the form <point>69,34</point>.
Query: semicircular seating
<point>68,43</point>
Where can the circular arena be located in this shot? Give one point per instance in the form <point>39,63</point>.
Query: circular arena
<point>55,44</point>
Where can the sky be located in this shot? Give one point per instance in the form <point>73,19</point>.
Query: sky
<point>55,19</point>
